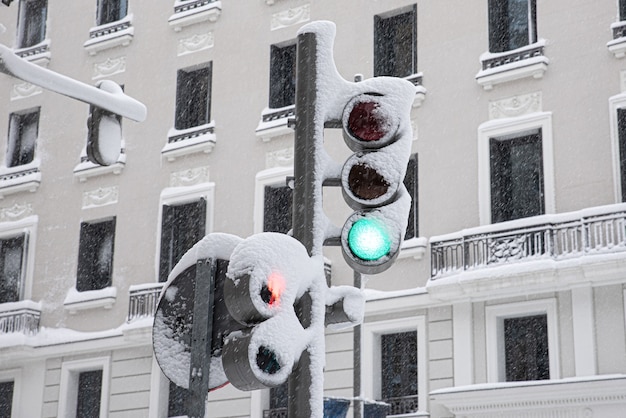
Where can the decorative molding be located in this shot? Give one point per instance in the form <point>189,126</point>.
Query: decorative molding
<point>189,177</point>
<point>519,105</point>
<point>100,197</point>
<point>622,81</point>
<point>279,158</point>
<point>23,90</point>
<point>109,67</point>
<point>195,43</point>
<point>291,17</point>
<point>16,212</point>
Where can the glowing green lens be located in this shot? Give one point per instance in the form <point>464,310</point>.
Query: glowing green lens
<point>368,239</point>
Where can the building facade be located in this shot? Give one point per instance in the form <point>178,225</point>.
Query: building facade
<point>508,298</point>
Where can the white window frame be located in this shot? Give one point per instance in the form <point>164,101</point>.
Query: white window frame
<point>179,196</point>
<point>27,226</point>
<point>15,376</point>
<point>266,178</point>
<point>371,355</point>
<point>494,325</point>
<point>511,126</point>
<point>68,395</point>
<point>615,103</point>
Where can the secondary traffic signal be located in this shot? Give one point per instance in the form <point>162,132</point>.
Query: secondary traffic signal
<point>104,136</point>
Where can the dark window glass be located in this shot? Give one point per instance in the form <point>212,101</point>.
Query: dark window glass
<point>177,401</point>
<point>111,10</point>
<point>12,252</point>
<point>526,348</point>
<point>512,24</point>
<point>621,128</point>
<point>410,182</point>
<point>277,209</point>
<point>622,9</point>
<point>395,44</point>
<point>193,97</point>
<point>23,132</point>
<point>181,227</point>
<point>516,177</point>
<point>95,255</point>
<point>6,399</point>
<point>279,396</point>
<point>89,391</point>
<point>31,28</point>
<point>399,364</point>
<point>282,76</point>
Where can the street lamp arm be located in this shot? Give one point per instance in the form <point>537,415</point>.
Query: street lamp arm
<point>115,102</point>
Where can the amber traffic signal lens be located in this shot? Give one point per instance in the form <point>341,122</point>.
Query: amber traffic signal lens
<point>366,183</point>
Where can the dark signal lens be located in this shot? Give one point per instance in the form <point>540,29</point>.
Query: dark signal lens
<point>267,361</point>
<point>366,183</point>
<point>365,123</point>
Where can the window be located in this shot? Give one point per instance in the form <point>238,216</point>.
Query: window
<point>410,182</point>
<point>111,10</point>
<point>622,10</point>
<point>526,348</point>
<point>193,97</point>
<point>395,43</point>
<point>23,132</point>
<point>282,76</point>
<point>89,394</point>
<point>182,226</point>
<point>6,398</point>
<point>277,208</point>
<point>399,371</point>
<point>177,401</point>
<point>279,400</point>
<point>512,24</point>
<point>95,255</point>
<point>621,136</point>
<point>31,27</point>
<point>516,176</point>
<point>12,263</point>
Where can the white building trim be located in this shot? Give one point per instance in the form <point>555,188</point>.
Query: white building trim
<point>15,376</point>
<point>69,384</point>
<point>27,226</point>
<point>266,178</point>
<point>462,332</point>
<point>583,321</point>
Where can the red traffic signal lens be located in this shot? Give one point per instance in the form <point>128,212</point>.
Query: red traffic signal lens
<point>366,123</point>
<point>366,183</point>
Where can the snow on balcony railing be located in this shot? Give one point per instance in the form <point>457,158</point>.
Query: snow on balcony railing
<point>20,317</point>
<point>143,300</point>
<point>619,30</point>
<point>575,234</point>
<point>275,413</point>
<point>520,54</point>
<point>402,405</point>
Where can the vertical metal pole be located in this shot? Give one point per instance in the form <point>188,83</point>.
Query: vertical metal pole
<point>357,390</point>
<point>202,331</point>
<point>304,198</point>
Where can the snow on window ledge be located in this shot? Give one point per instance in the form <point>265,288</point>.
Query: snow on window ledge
<point>92,299</point>
<point>414,247</point>
<point>111,35</point>
<point>420,92</point>
<point>18,179</point>
<point>189,141</point>
<point>618,44</point>
<point>86,169</point>
<point>37,54</point>
<point>502,67</point>
<point>275,122</point>
<point>190,12</point>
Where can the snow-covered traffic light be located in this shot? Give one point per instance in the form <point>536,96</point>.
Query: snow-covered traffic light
<point>104,130</point>
<point>372,181</point>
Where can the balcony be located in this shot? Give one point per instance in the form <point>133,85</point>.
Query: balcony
<point>143,300</point>
<point>588,244</point>
<point>502,67</point>
<point>191,12</point>
<point>21,317</point>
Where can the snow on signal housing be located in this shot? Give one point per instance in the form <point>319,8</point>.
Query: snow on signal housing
<point>369,122</point>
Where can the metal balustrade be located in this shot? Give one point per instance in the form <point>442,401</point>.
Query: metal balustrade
<point>402,405</point>
<point>23,320</point>
<point>275,413</point>
<point>514,56</point>
<point>143,301</point>
<point>543,237</point>
<point>190,5</point>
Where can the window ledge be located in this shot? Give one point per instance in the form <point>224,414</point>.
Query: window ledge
<point>275,122</point>
<point>37,54</point>
<point>189,141</point>
<point>420,92</point>
<point>92,299</point>
<point>86,168</point>
<point>19,179</point>
<point>111,35</point>
<point>618,45</point>
<point>525,62</point>
<point>190,12</point>
<point>414,247</point>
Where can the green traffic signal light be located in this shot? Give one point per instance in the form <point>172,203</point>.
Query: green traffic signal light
<point>368,239</point>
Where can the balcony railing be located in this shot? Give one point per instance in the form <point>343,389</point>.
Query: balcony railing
<point>402,405</point>
<point>513,56</point>
<point>143,300</point>
<point>23,320</point>
<point>275,413</point>
<point>557,237</point>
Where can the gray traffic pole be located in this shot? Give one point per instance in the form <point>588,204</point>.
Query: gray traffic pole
<point>357,389</point>
<point>202,331</point>
<point>304,199</point>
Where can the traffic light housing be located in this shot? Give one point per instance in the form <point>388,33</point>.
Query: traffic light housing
<point>104,130</point>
